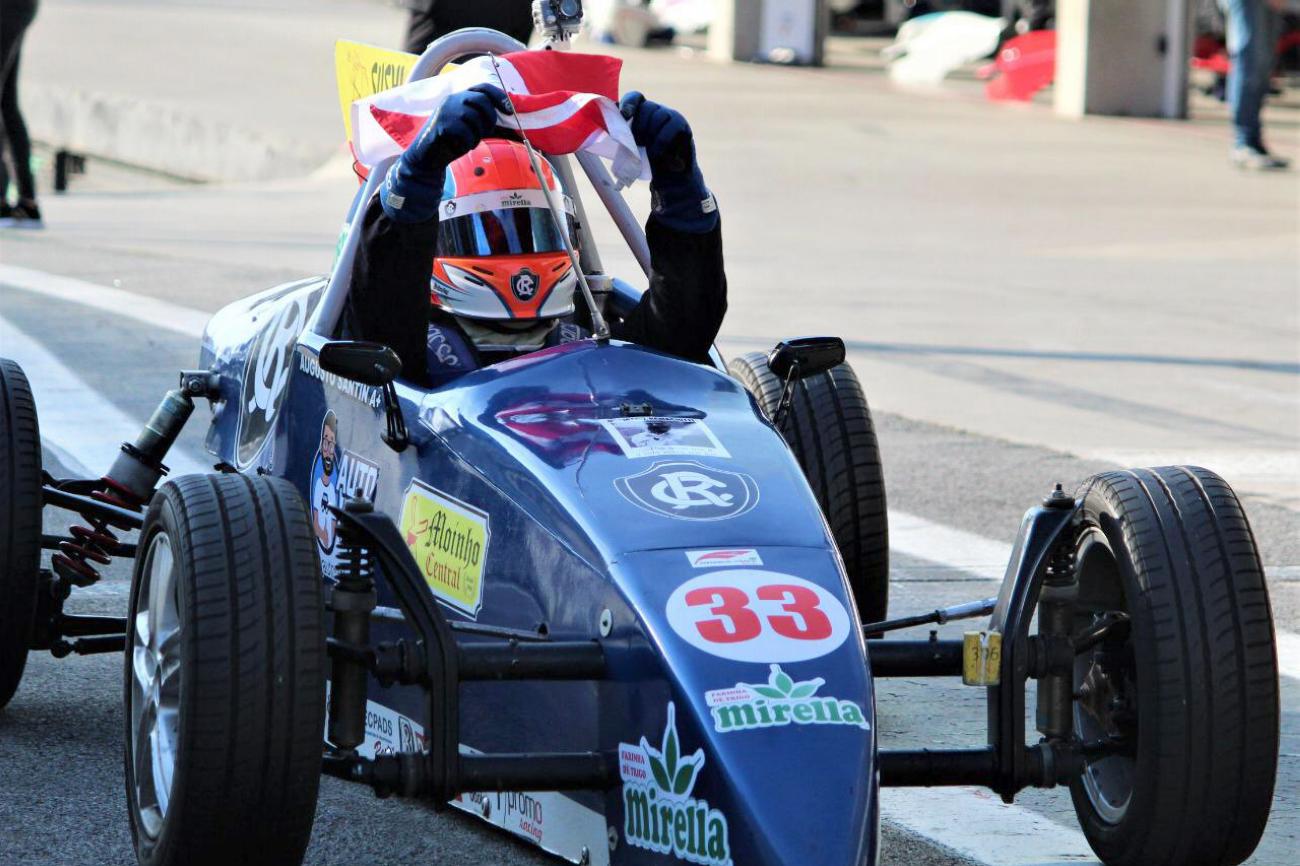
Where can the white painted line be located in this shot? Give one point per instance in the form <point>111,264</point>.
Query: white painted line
<point>976,824</point>
<point>119,302</point>
<point>72,415</point>
<point>915,536</point>
<point>1288,654</point>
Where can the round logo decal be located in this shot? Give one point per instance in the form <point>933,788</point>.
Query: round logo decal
<point>749,615</point>
<point>524,284</point>
<point>686,490</point>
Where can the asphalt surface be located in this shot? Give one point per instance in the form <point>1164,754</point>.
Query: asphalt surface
<point>1027,301</point>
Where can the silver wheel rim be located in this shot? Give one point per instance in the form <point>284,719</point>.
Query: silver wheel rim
<point>155,685</point>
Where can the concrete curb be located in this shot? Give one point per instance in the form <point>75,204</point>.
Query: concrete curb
<point>162,137</point>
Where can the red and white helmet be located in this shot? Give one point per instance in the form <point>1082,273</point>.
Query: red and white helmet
<point>499,253</point>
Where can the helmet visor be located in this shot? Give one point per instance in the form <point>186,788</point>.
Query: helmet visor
<point>512,232</point>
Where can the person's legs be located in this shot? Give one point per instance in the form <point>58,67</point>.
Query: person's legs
<point>1251,41</point>
<point>15,129</point>
<point>420,30</point>
<point>7,54</point>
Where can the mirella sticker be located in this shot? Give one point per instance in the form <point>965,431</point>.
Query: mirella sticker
<point>780,701</point>
<point>659,813</point>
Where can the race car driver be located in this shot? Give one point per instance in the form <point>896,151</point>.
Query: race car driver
<point>502,283</point>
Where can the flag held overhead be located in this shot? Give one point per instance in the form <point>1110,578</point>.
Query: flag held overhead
<point>565,101</point>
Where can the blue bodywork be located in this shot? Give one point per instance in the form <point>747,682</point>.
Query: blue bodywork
<point>739,696</point>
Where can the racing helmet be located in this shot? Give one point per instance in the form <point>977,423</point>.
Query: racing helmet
<point>499,255</point>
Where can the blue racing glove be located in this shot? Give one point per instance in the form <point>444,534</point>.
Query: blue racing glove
<point>679,198</point>
<point>413,187</point>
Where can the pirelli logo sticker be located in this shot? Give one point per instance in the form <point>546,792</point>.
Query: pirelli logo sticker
<point>449,540</point>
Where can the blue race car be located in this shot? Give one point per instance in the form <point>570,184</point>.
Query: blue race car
<point>616,603</point>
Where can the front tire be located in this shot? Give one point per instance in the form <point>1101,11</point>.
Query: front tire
<point>225,675</point>
<point>20,523</point>
<point>1191,693</point>
<point>829,430</point>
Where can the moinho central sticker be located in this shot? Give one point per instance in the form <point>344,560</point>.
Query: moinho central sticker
<point>659,813</point>
<point>449,540</point>
<point>780,701</point>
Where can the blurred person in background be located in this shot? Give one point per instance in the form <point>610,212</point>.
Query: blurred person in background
<point>433,18</point>
<point>1252,31</point>
<point>15,16</point>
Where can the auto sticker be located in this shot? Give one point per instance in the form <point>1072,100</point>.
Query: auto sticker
<point>731,556</point>
<point>750,615</point>
<point>266,372</point>
<point>685,490</point>
<point>659,813</point>
<point>780,701</point>
<point>449,540</point>
<point>336,475</point>
<point>663,437</point>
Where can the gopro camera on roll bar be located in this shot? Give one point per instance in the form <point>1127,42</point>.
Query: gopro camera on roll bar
<point>557,19</point>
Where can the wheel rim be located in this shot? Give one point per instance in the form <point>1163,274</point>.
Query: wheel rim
<point>155,685</point>
<point>1104,683</point>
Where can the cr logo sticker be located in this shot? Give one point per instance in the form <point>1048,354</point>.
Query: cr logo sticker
<point>524,284</point>
<point>750,615</point>
<point>690,491</point>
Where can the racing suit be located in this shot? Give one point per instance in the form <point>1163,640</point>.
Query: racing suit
<point>680,313</point>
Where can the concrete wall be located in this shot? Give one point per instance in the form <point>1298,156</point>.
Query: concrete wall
<point>1122,57</point>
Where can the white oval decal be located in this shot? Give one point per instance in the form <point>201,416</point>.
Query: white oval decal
<point>749,615</point>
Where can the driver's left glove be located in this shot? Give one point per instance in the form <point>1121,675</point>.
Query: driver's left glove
<point>412,189</point>
<point>679,198</point>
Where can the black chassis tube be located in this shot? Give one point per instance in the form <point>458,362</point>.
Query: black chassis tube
<point>915,658</point>
<point>445,772</point>
<point>442,766</point>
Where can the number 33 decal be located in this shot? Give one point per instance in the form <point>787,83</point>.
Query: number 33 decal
<point>757,616</point>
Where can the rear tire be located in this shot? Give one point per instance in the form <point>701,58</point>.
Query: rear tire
<point>829,430</point>
<point>20,523</point>
<point>1193,688</point>
<point>225,675</point>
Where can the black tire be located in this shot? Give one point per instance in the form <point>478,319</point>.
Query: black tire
<point>242,676</point>
<point>829,430</point>
<point>1192,690</point>
<point>20,523</point>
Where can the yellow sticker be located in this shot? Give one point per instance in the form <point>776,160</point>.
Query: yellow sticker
<point>449,540</point>
<point>364,70</point>
<point>981,658</point>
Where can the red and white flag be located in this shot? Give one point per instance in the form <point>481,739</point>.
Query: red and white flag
<point>565,102</point>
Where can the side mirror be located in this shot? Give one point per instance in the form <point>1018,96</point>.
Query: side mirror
<point>807,356</point>
<point>368,363</point>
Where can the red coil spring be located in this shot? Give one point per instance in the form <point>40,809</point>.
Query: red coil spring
<point>91,543</point>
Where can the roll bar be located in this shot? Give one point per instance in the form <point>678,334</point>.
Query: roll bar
<point>480,40</point>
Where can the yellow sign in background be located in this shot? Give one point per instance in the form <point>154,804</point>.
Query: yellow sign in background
<point>449,540</point>
<point>364,70</point>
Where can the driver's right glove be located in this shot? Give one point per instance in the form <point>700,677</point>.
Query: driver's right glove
<point>412,189</point>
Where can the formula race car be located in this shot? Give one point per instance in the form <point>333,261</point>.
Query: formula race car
<point>614,602</point>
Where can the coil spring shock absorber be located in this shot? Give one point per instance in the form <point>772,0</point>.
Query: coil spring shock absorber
<point>128,484</point>
<point>353,601</point>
